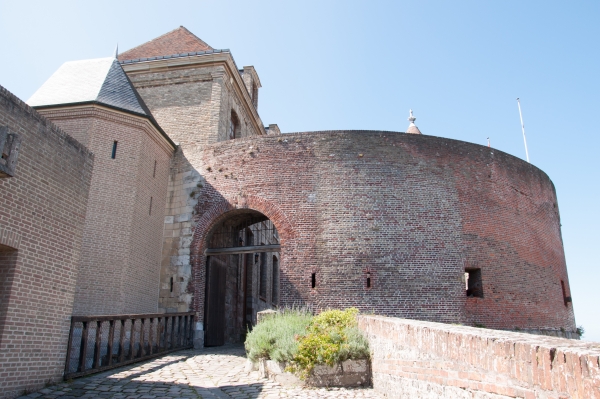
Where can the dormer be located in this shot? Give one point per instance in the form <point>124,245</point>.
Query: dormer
<point>252,83</point>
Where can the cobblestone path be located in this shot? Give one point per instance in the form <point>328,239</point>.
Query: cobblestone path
<point>210,373</point>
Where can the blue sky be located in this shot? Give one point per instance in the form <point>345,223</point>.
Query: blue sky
<point>361,65</point>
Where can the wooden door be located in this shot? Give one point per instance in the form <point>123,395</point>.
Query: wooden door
<point>215,303</point>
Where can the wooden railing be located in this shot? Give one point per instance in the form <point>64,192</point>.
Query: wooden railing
<point>98,343</point>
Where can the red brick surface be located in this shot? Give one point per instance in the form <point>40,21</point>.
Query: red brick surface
<point>414,211</point>
<point>416,359</point>
<point>177,41</point>
<point>42,210</point>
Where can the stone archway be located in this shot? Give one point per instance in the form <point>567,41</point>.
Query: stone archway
<point>242,266</point>
<point>212,216</point>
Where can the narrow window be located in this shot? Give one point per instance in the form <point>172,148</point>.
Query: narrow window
<point>313,280</point>
<point>474,283</point>
<point>234,126</point>
<point>8,263</point>
<point>114,150</point>
<point>275,285</point>
<point>368,279</point>
<point>154,171</point>
<point>566,298</point>
<point>263,276</point>
<point>150,210</point>
<point>171,284</point>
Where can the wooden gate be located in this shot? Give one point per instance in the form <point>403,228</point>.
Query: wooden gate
<point>231,253</point>
<point>215,301</point>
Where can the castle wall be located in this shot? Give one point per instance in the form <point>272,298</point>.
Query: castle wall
<point>193,104</point>
<point>417,359</point>
<point>411,212</point>
<point>120,266</point>
<point>511,231</point>
<point>42,210</point>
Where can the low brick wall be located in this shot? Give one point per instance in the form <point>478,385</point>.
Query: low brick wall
<point>418,359</point>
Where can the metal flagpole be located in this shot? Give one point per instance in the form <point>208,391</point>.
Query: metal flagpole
<point>523,128</point>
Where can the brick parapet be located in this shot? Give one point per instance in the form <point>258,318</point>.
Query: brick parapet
<point>418,359</point>
<point>23,111</point>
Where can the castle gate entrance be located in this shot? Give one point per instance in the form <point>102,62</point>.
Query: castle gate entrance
<point>242,275</point>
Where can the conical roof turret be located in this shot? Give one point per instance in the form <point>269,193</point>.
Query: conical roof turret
<point>412,128</point>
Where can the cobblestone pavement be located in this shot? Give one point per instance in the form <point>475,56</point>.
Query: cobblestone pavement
<point>209,373</point>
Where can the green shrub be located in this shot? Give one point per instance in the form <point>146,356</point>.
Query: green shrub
<point>296,337</point>
<point>331,338</point>
<point>275,337</point>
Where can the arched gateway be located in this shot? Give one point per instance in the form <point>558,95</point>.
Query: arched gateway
<point>242,275</point>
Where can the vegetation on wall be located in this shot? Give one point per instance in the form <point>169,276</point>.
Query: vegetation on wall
<point>302,341</point>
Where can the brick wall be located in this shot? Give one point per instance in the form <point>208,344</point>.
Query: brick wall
<point>412,211</point>
<point>417,359</point>
<point>192,100</point>
<point>120,266</point>
<point>42,210</point>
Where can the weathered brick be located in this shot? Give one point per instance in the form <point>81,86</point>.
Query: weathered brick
<point>42,211</point>
<point>416,343</point>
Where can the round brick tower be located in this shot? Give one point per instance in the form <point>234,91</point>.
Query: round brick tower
<point>395,224</point>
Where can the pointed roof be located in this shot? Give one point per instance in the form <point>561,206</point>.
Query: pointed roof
<point>97,81</point>
<point>412,128</point>
<point>101,80</point>
<point>177,41</point>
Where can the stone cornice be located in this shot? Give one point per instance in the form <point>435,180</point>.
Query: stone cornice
<point>223,59</point>
<point>110,114</point>
<point>255,77</point>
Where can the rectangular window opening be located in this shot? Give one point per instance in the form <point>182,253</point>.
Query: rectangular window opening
<point>368,282</point>
<point>474,283</point>
<point>566,298</point>
<point>313,280</point>
<point>114,150</point>
<point>154,171</point>
<point>150,210</point>
<point>8,264</point>
<point>171,284</point>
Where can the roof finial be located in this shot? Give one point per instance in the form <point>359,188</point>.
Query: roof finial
<point>117,51</point>
<point>412,128</point>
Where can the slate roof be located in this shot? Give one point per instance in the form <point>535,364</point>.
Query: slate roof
<point>178,41</point>
<point>98,81</point>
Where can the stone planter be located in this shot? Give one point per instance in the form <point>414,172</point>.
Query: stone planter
<point>350,373</point>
